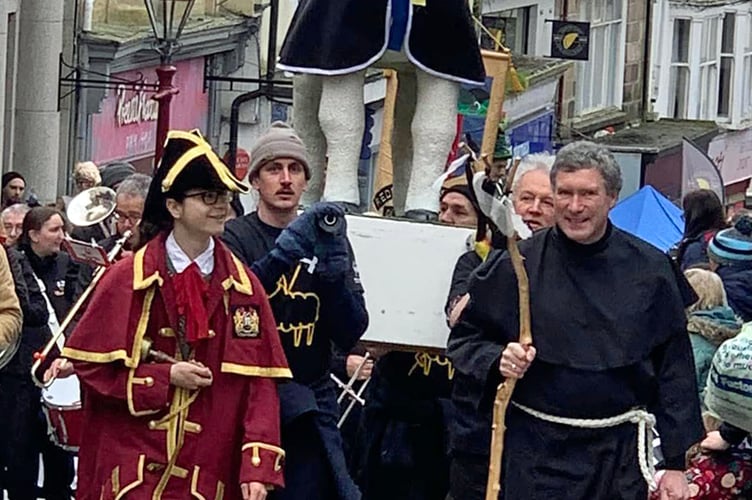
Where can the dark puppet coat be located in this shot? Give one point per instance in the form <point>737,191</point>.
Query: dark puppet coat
<point>342,37</point>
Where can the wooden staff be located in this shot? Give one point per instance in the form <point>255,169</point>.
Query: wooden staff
<point>506,388</point>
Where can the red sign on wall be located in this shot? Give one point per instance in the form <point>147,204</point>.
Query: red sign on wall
<point>126,127</point>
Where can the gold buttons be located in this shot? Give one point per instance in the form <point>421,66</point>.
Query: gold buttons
<point>152,424</point>
<point>212,334</point>
<point>256,461</point>
<point>149,381</point>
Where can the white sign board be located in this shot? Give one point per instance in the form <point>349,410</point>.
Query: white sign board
<point>406,269</point>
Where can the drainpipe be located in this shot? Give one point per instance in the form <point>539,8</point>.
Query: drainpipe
<point>646,59</point>
<point>560,91</point>
<point>265,89</point>
<point>232,151</point>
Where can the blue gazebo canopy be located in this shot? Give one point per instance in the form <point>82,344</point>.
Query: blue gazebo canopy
<point>650,216</point>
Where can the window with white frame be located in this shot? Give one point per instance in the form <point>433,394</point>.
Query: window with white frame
<point>710,59</point>
<point>600,80</point>
<point>746,90</point>
<point>709,69</point>
<point>726,71</point>
<point>679,88</point>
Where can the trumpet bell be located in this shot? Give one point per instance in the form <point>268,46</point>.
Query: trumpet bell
<point>91,206</point>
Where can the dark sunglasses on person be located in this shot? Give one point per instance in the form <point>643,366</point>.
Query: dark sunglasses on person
<point>212,197</point>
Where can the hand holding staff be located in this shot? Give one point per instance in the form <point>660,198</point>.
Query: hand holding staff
<point>504,391</point>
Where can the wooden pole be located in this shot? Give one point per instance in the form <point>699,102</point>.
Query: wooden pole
<point>384,165</point>
<point>496,64</point>
<point>505,390</point>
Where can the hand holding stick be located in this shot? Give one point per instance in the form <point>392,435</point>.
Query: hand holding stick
<point>505,390</point>
<point>190,375</point>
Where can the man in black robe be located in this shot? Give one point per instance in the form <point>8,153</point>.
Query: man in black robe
<point>610,337</point>
<point>309,272</point>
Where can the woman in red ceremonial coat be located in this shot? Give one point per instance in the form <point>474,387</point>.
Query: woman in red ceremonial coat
<point>206,426</point>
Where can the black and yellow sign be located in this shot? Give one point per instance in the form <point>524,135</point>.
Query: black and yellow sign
<point>570,40</point>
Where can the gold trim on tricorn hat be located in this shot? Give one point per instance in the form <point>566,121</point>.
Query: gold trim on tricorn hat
<point>188,162</point>
<point>182,148</point>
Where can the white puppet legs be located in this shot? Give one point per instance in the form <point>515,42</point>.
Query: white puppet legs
<point>306,96</point>
<point>343,121</point>
<point>330,117</point>
<point>434,127</point>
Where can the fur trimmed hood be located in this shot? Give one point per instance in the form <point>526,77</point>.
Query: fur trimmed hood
<point>715,325</point>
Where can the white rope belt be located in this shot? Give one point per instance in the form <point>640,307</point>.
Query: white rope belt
<point>645,422</point>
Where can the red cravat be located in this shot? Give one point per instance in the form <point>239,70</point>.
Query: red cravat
<point>190,290</point>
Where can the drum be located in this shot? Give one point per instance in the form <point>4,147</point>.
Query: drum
<point>61,403</point>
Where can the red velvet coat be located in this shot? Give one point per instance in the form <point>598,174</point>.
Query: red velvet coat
<point>145,438</point>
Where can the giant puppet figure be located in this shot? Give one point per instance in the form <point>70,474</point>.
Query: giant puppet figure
<point>331,44</point>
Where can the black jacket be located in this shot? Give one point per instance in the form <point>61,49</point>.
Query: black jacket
<point>310,312</point>
<point>35,330</point>
<point>469,431</point>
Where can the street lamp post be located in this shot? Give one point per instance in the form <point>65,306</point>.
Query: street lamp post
<point>167,19</point>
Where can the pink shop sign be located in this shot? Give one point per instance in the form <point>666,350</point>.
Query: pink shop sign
<point>126,126</point>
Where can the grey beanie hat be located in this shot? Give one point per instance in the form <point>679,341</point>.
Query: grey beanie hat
<point>116,172</point>
<point>280,141</point>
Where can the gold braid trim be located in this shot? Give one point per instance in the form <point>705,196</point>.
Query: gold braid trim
<point>255,446</point>
<point>425,362</point>
<point>256,371</point>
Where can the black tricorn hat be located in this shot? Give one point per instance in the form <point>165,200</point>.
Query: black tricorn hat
<point>188,162</point>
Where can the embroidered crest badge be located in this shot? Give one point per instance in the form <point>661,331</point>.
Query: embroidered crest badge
<point>246,323</point>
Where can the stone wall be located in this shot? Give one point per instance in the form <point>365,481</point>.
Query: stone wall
<point>634,63</point>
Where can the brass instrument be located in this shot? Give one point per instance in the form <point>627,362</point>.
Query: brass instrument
<point>91,207</point>
<point>88,208</point>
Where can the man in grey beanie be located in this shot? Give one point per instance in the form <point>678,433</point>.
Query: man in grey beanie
<point>308,270</point>
<point>279,141</point>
